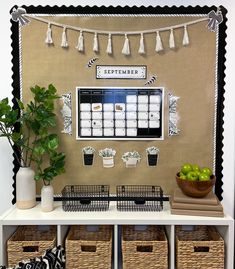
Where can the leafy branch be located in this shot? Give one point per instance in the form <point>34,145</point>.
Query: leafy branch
<point>34,139</point>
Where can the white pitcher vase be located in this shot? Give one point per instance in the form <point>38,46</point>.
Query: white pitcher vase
<point>25,188</point>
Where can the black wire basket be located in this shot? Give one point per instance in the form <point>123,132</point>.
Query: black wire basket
<point>85,198</point>
<point>139,198</point>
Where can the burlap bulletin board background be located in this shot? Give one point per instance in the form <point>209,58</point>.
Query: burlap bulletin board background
<point>187,72</point>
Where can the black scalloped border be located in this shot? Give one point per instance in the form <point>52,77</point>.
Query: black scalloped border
<point>133,10</point>
<point>220,105</point>
<point>15,92</point>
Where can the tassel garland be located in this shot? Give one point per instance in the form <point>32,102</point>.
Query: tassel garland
<point>64,42</point>
<point>141,48</point>
<point>80,45</point>
<point>186,37</point>
<point>109,45</point>
<point>159,46</point>
<point>126,46</point>
<point>95,43</point>
<point>172,40</point>
<point>48,39</point>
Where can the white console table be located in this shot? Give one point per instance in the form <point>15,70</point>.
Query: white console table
<point>14,217</point>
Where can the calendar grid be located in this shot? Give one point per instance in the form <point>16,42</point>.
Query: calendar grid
<point>120,113</point>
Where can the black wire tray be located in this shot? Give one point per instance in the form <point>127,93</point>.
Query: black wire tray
<point>97,198</point>
<point>85,198</point>
<point>139,198</point>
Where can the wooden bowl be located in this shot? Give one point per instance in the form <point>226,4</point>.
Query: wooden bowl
<point>196,188</point>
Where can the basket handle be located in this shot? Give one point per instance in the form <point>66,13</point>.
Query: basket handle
<point>90,248</point>
<point>201,249</point>
<point>144,248</point>
<point>30,248</point>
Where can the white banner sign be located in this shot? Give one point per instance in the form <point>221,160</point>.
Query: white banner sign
<point>121,72</point>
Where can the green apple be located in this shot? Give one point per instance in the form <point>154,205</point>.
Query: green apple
<point>182,175</point>
<point>206,170</point>
<point>195,167</point>
<point>185,168</point>
<point>192,176</point>
<point>204,177</point>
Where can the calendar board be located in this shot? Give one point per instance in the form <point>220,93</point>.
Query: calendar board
<point>120,113</point>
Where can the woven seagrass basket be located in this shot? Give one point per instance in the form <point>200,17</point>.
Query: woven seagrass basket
<point>202,248</point>
<point>29,242</point>
<point>144,249</point>
<point>86,249</point>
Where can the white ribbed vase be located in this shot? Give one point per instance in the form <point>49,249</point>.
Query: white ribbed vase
<point>47,198</point>
<point>25,188</point>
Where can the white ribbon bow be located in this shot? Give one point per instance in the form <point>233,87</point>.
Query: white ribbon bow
<point>18,16</point>
<point>215,18</point>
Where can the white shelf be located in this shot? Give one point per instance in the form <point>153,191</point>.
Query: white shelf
<point>13,217</point>
<point>112,216</point>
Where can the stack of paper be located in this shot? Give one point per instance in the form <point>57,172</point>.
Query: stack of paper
<point>208,206</point>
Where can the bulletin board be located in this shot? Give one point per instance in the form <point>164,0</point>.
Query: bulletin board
<point>188,65</point>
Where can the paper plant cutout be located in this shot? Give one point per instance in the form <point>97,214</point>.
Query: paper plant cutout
<point>88,155</point>
<point>107,155</point>
<point>91,62</point>
<point>151,80</point>
<point>131,158</point>
<point>215,18</point>
<point>17,16</point>
<point>173,115</point>
<point>66,112</point>
<point>152,155</point>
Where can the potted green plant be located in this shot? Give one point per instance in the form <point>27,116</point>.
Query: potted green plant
<point>39,118</point>
<point>152,155</point>
<point>131,158</point>
<point>88,155</point>
<point>108,157</point>
<point>11,129</point>
<point>32,141</point>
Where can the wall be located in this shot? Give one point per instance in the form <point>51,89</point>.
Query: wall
<point>5,155</point>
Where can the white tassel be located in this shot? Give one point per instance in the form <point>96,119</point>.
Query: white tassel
<point>159,46</point>
<point>64,42</point>
<point>95,43</point>
<point>109,45</point>
<point>186,37</point>
<point>80,45</point>
<point>172,40</point>
<point>48,39</point>
<point>126,46</point>
<point>141,48</point>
